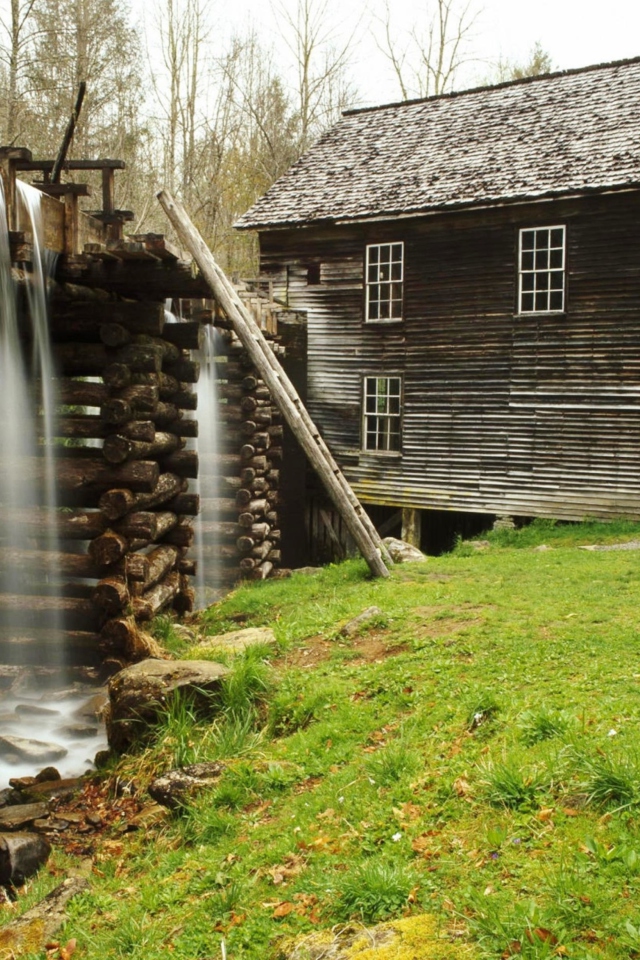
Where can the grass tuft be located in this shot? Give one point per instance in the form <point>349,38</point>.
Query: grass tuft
<point>374,890</point>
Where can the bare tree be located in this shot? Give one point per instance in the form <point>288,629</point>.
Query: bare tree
<point>322,88</point>
<point>426,58</point>
<point>14,54</point>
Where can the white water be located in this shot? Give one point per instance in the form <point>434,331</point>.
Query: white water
<point>207,588</point>
<point>27,432</point>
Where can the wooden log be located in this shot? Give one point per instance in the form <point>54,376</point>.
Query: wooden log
<point>185,428</point>
<point>275,431</point>
<point>112,596</point>
<point>262,571</point>
<point>275,556</point>
<point>185,399</point>
<point>187,371</point>
<point>117,502</point>
<point>185,503</point>
<point>114,335</point>
<point>43,562</point>
<point>183,462</point>
<point>262,550</point>
<point>118,636</point>
<point>247,452</point>
<point>81,477</point>
<point>186,335</point>
<point>136,567</point>
<point>187,566</point>
<point>33,611</point>
<point>118,448</point>
<point>169,351</point>
<point>248,474</point>
<point>182,534</point>
<point>92,427</point>
<point>146,525</point>
<point>275,454</point>
<point>90,359</point>
<point>76,319</point>
<point>166,385</point>
<point>160,562</point>
<point>117,376</point>
<point>116,411</point>
<point>108,548</point>
<point>243,497</point>
<point>80,393</point>
<point>247,563</point>
<point>165,414</point>
<point>283,392</point>
<point>38,644</point>
<point>153,601</point>
<point>260,485</point>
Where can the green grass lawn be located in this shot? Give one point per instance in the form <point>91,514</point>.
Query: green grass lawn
<point>473,754</point>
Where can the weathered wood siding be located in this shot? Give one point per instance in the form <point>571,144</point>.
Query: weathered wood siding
<point>531,415</point>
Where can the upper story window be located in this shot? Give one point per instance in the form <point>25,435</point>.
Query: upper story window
<point>382,413</point>
<point>542,270</point>
<point>385,275</point>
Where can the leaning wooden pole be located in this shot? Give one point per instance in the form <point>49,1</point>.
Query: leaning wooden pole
<point>282,390</point>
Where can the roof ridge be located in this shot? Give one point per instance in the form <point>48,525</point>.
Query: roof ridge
<point>493,86</point>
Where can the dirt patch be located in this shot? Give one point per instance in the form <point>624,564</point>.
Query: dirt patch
<point>370,648</point>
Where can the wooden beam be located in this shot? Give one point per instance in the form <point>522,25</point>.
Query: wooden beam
<point>281,388</point>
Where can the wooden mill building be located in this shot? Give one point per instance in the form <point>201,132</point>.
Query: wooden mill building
<point>470,269</point>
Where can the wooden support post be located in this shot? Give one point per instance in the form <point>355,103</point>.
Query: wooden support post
<point>282,390</point>
<point>412,526</point>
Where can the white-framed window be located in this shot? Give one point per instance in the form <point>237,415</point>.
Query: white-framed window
<point>385,276</point>
<point>382,419</point>
<point>542,269</point>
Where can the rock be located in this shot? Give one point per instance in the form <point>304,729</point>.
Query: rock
<point>237,641</point>
<point>504,522</point>
<point>93,708</point>
<point>139,693</point>
<point>402,552</point>
<point>51,789</point>
<point>19,783</point>
<point>21,855</point>
<point>21,815</point>
<point>33,751</point>
<point>171,789</point>
<point>35,710</point>
<point>542,548</point>
<point>78,730</point>
<point>7,797</point>
<point>102,758</point>
<point>48,775</point>
<point>308,571</point>
<point>351,628</point>
<point>30,932</point>
<point>416,936</point>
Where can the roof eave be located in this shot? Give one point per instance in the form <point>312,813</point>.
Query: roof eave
<point>450,207</point>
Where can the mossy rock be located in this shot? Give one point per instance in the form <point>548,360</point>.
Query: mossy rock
<point>412,938</point>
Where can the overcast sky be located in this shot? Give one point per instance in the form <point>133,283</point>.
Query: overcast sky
<point>574,32</point>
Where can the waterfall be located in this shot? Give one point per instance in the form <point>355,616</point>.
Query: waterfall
<point>29,577</point>
<point>207,586</point>
<point>45,402</point>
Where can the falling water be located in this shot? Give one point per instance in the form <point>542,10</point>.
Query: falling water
<point>28,522</point>
<point>42,373</point>
<point>207,587</point>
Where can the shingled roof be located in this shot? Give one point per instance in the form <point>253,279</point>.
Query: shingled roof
<point>563,133</point>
